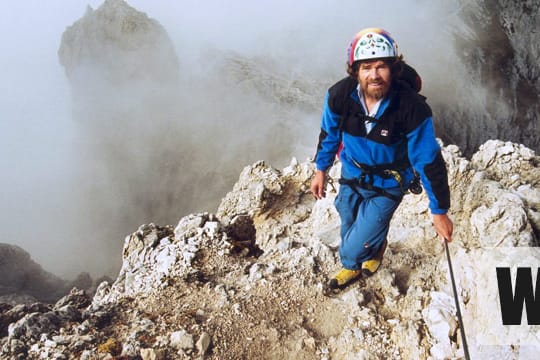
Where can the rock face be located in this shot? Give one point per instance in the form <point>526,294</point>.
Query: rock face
<point>499,48</point>
<point>124,76</point>
<point>261,76</point>
<point>247,282</point>
<point>25,281</point>
<point>118,44</point>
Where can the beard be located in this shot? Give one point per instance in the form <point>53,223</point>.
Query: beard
<point>377,93</point>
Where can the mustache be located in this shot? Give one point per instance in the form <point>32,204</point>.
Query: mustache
<point>376,82</point>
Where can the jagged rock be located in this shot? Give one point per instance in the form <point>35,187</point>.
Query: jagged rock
<point>16,348</point>
<point>125,45</point>
<point>181,340</point>
<point>21,276</point>
<point>189,226</point>
<point>9,315</point>
<point>258,184</point>
<point>510,164</point>
<point>502,219</point>
<point>203,344</point>
<point>189,284</point>
<point>31,326</point>
<point>77,298</point>
<point>151,354</point>
<point>439,318</point>
<point>154,255</point>
<point>147,236</point>
<point>97,317</point>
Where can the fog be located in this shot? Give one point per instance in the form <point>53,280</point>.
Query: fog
<point>54,172</point>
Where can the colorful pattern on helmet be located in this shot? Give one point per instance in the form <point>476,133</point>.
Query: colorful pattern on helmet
<point>371,43</point>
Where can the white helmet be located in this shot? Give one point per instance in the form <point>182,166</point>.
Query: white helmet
<point>371,43</point>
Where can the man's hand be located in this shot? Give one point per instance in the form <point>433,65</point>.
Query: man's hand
<point>317,185</point>
<point>443,226</point>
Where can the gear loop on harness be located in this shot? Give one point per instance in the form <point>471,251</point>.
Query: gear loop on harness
<point>385,171</point>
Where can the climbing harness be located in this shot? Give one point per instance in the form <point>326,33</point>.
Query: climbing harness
<point>458,310</point>
<point>385,171</point>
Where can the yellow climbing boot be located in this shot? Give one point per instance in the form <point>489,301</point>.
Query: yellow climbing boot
<point>344,277</point>
<point>372,265</point>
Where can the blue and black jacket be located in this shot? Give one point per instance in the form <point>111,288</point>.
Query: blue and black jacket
<point>402,138</point>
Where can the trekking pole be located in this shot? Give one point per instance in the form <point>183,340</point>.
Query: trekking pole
<point>458,310</point>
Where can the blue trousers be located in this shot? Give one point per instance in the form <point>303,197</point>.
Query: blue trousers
<point>365,220</point>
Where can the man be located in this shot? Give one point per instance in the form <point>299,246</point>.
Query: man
<point>386,131</point>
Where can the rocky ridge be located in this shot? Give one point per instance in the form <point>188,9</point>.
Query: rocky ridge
<point>247,281</point>
<point>24,281</point>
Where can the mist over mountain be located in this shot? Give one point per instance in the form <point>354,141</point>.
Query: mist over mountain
<point>165,109</point>
<point>168,105</point>
<point>160,140</point>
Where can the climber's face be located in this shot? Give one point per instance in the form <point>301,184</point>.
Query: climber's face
<point>375,78</point>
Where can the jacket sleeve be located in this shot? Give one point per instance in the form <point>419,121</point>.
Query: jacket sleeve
<point>329,138</point>
<point>426,158</point>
